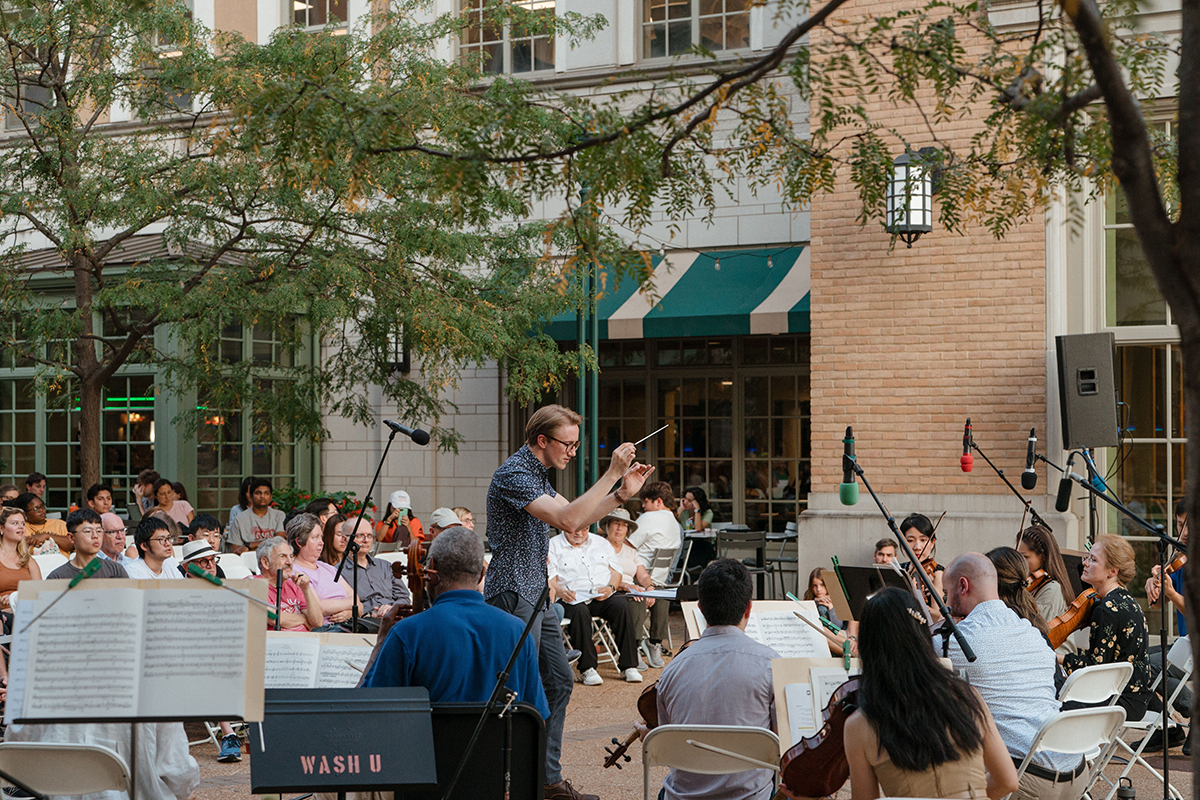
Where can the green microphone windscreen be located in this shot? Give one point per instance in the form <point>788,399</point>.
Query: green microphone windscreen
<point>848,493</point>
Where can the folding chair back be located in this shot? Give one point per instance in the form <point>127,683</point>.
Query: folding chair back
<point>233,566</point>
<point>1180,655</point>
<point>1096,684</point>
<point>694,748</point>
<point>48,562</point>
<point>1080,731</point>
<point>663,558</point>
<point>57,768</point>
<point>250,559</point>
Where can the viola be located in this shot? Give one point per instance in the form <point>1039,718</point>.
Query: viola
<point>816,766</point>
<point>1037,580</point>
<point>1078,615</point>
<point>647,706</point>
<point>1177,563</point>
<point>415,575</point>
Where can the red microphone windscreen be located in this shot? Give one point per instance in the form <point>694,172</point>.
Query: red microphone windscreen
<point>967,462</point>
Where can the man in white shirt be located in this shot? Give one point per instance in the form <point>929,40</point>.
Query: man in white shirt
<point>585,573</point>
<point>657,529</point>
<point>156,555</point>
<point>112,545</point>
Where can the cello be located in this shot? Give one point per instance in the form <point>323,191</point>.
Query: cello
<point>816,766</point>
<point>412,571</point>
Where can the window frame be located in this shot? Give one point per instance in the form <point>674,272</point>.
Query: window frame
<point>695,18</point>
<point>507,40</point>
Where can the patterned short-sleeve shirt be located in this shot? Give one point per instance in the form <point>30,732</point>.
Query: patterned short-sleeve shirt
<point>519,540</point>
<point>1118,634</point>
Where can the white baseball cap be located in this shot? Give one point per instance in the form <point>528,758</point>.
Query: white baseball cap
<point>400,499</point>
<point>444,518</point>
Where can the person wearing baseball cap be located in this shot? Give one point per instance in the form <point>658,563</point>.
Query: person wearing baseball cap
<point>398,523</point>
<point>440,520</point>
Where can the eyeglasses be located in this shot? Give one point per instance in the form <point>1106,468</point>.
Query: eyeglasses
<point>160,539</point>
<point>116,530</point>
<point>363,536</point>
<point>572,447</point>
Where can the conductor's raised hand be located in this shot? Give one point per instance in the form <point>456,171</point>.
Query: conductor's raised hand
<point>634,477</point>
<point>622,457</point>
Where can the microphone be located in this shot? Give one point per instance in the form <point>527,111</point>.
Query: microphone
<point>848,491</point>
<point>967,462</point>
<point>1029,476</point>
<point>1063,501</point>
<point>416,434</point>
<point>1097,481</point>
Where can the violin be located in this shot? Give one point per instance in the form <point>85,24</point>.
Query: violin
<point>816,766</point>
<point>931,567</point>
<point>415,575</point>
<point>1037,580</point>
<point>1177,563</point>
<point>1078,615</point>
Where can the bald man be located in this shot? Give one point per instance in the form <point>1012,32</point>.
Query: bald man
<point>1014,671</point>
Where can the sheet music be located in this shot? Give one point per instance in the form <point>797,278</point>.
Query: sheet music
<point>66,642</point>
<point>799,700</point>
<point>333,667</point>
<point>825,681</point>
<point>786,635</point>
<point>291,662</point>
<point>701,622</point>
<point>18,665</point>
<point>216,673</point>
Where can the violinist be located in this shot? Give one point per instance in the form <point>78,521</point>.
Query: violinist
<point>1049,582</point>
<point>920,730</point>
<point>722,678</point>
<point>1013,670</point>
<point>921,536</point>
<point>1118,627</point>
<point>1173,591</point>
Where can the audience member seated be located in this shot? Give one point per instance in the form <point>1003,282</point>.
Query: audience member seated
<point>335,538</point>
<point>144,489</point>
<point>657,530</point>
<point>585,573</point>
<point>442,519</point>
<point>819,593</point>
<point>300,608</point>
<point>398,523</point>
<point>173,527</point>
<point>112,546</point>
<point>99,498</point>
<point>304,535</point>
<point>8,492</point>
<point>156,556</point>
<point>920,730</point>
<point>616,527</point>
<point>322,508</point>
<point>168,502</point>
<point>35,483</point>
<point>378,588</point>
<point>259,522</point>
<point>87,534</point>
<point>885,551</point>
<point>45,535</point>
<point>465,517</point>
<point>206,527</point>
<point>243,502</point>
<point>16,563</point>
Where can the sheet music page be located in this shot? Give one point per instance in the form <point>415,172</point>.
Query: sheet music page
<point>800,710</point>
<point>85,632</point>
<point>334,670</point>
<point>198,635</point>
<point>787,635</point>
<point>825,681</point>
<point>18,664</point>
<point>291,661</point>
<point>701,622</point>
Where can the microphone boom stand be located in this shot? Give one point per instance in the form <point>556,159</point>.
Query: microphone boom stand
<point>352,546</point>
<point>1159,531</point>
<point>851,463</point>
<point>1033,515</point>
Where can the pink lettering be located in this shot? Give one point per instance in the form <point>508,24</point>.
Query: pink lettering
<point>307,763</point>
<point>324,769</point>
<point>352,764</point>
<point>377,763</point>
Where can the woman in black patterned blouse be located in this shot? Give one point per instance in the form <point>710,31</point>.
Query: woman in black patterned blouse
<point>1118,631</point>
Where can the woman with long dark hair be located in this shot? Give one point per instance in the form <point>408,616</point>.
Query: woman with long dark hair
<point>1050,584</point>
<point>1012,578</point>
<point>920,730</point>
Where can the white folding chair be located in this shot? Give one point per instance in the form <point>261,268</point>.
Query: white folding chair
<point>1081,731</point>
<point>1100,683</point>
<point>48,562</point>
<point>392,556</point>
<point>665,557</point>
<point>1180,657</point>
<point>250,559</point>
<point>606,643</point>
<point>233,566</point>
<point>65,769</point>
<point>708,750</point>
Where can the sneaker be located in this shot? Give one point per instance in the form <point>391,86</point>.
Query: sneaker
<point>633,676</point>
<point>592,678</point>
<point>573,656</point>
<point>642,665</point>
<point>231,749</point>
<point>654,655</point>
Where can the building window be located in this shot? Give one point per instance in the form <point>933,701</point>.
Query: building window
<point>738,414</point>
<point>171,98</point>
<point>671,27</point>
<point>26,98</point>
<point>319,13</point>
<point>508,47</point>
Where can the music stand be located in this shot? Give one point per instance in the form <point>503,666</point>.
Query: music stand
<point>862,582</point>
<point>342,740</point>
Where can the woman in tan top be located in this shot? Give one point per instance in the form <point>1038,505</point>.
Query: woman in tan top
<point>919,730</point>
<point>16,564</point>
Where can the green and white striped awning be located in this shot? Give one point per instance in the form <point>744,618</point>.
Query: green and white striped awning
<point>707,293</point>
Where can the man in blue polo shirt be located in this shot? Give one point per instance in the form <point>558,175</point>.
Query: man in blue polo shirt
<point>457,647</point>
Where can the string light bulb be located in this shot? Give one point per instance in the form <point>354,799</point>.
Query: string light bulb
<point>717,266</point>
<point>770,263</point>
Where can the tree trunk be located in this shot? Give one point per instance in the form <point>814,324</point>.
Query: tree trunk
<point>90,418</point>
<point>1190,355</point>
<point>90,374</point>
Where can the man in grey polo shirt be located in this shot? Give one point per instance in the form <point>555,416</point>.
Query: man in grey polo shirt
<point>1014,672</point>
<point>722,678</point>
